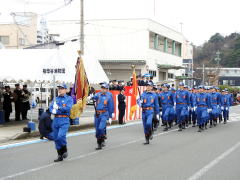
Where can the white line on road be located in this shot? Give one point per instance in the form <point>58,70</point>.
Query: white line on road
<point>81,156</point>
<point>206,168</point>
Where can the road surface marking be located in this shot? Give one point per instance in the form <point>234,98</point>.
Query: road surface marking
<point>209,166</point>
<point>7,146</point>
<point>81,156</point>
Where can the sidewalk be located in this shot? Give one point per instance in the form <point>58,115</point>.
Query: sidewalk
<point>14,130</point>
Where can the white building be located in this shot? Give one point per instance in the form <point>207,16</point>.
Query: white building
<point>120,43</point>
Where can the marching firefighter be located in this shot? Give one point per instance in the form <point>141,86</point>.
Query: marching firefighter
<point>61,107</point>
<point>167,101</point>
<point>182,106</point>
<point>215,103</point>
<point>149,103</point>
<point>104,112</point>
<point>203,108</point>
<point>225,104</point>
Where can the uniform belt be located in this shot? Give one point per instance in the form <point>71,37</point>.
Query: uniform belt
<point>101,111</point>
<point>147,108</point>
<point>202,106</point>
<point>181,103</point>
<point>63,116</point>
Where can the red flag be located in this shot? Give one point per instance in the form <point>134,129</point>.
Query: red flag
<point>81,81</point>
<point>81,89</point>
<point>134,94</point>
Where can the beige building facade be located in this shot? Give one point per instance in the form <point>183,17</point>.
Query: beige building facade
<point>20,33</point>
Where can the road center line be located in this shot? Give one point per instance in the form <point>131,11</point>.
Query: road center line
<point>210,165</point>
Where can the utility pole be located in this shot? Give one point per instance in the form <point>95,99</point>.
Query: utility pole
<point>82,27</point>
<point>203,72</point>
<point>154,7</point>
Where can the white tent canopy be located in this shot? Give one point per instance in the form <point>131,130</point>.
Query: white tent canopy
<point>27,65</point>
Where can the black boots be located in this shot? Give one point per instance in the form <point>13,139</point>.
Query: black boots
<point>166,127</point>
<point>148,137</point>
<point>100,144</point>
<point>147,140</point>
<point>59,157</point>
<point>62,154</point>
<point>200,128</point>
<point>180,127</point>
<point>225,121</point>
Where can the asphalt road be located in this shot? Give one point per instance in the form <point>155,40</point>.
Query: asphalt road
<point>210,155</point>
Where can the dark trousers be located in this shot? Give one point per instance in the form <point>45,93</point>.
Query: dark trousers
<point>25,108</point>
<point>7,115</point>
<point>121,114</point>
<point>17,110</point>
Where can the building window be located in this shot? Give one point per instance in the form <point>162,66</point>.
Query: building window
<point>151,40</point>
<point>170,76</point>
<point>225,82</point>
<point>153,73</point>
<point>4,39</point>
<point>169,46</point>
<point>161,43</point>
<point>178,50</point>
<point>21,41</point>
<point>232,82</point>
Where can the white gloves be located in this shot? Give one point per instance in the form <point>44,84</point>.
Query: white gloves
<point>194,108</point>
<point>222,108</point>
<point>139,102</point>
<point>54,111</point>
<point>113,115</point>
<point>157,116</point>
<point>55,106</point>
<point>110,120</point>
<point>226,108</point>
<point>209,110</point>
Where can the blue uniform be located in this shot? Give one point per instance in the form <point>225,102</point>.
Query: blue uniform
<point>104,111</point>
<point>61,121</point>
<point>150,106</point>
<point>203,103</point>
<point>167,101</point>
<point>215,104</point>
<point>225,103</point>
<point>182,104</point>
<point>193,105</point>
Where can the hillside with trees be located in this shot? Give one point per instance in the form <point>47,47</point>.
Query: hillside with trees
<point>229,47</point>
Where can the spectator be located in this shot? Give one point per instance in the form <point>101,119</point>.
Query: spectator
<point>25,102</point>
<point>121,106</point>
<point>7,103</point>
<point>17,94</point>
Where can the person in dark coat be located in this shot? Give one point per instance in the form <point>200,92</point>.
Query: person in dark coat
<point>45,125</point>
<point>121,106</point>
<point>25,102</point>
<point>17,94</point>
<point>7,103</point>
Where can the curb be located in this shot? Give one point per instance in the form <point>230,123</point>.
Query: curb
<point>25,135</point>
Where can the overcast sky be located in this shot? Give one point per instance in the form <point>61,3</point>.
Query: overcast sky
<point>200,18</point>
